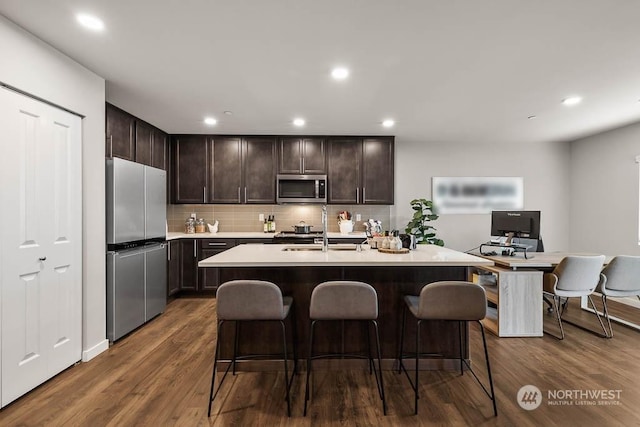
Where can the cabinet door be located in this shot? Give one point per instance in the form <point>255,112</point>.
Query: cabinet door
<point>120,128</point>
<point>174,267</point>
<point>302,156</point>
<point>159,149</point>
<point>209,278</point>
<point>226,170</point>
<point>290,155</point>
<point>377,171</point>
<point>314,159</point>
<point>189,265</point>
<point>259,160</point>
<point>144,142</point>
<point>190,169</point>
<point>344,158</point>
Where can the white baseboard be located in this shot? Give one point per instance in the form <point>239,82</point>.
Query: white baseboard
<point>95,350</point>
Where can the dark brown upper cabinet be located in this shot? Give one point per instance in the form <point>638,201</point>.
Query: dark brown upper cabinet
<point>160,150</point>
<point>144,143</point>
<point>120,128</point>
<point>361,170</point>
<point>151,145</point>
<point>299,155</point>
<point>259,170</point>
<point>242,170</point>
<point>190,171</point>
<point>226,170</point>
<point>133,139</point>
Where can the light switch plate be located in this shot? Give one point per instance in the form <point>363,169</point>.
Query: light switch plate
<point>261,217</point>
<point>358,217</point>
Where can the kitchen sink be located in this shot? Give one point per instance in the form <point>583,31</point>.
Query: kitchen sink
<point>295,248</point>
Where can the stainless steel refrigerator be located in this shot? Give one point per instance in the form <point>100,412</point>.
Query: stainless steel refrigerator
<point>136,247</point>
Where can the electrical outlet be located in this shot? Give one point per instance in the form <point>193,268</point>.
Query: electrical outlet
<point>193,215</point>
<point>261,217</point>
<point>358,217</point>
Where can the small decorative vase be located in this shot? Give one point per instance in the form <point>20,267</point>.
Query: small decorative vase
<point>346,226</point>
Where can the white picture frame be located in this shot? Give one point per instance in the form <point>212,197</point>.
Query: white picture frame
<point>477,195</point>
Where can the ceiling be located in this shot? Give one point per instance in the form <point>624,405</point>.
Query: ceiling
<point>446,71</point>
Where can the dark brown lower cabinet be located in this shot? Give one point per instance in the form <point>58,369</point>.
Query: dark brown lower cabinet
<point>209,278</point>
<point>188,265</point>
<point>174,267</point>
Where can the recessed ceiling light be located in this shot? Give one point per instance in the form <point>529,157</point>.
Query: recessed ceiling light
<point>340,73</point>
<point>228,113</point>
<point>572,100</point>
<point>532,117</point>
<point>90,22</point>
<point>388,123</point>
<point>210,121</point>
<point>299,122</point>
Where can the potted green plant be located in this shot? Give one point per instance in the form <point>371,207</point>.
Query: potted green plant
<point>419,226</point>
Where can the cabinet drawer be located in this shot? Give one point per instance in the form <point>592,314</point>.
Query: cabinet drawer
<point>221,244</point>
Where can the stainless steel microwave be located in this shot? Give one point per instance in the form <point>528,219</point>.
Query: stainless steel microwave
<point>301,188</point>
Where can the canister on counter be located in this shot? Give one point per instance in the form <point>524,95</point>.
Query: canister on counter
<point>190,226</point>
<point>201,226</point>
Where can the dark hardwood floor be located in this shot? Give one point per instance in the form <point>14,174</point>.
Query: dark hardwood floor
<point>159,375</point>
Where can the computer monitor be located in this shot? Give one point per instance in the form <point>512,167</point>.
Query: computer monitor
<point>522,224</point>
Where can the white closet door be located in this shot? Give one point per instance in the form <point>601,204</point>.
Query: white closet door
<point>41,244</point>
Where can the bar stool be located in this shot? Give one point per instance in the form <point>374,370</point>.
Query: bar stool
<point>447,300</point>
<point>252,300</point>
<point>345,300</point>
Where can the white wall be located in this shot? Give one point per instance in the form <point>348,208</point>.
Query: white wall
<point>38,69</point>
<point>604,200</point>
<point>544,167</point>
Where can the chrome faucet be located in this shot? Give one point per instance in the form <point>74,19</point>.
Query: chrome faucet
<point>325,239</point>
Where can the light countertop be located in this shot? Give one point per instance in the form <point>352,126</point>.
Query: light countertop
<point>259,255</point>
<point>252,235</point>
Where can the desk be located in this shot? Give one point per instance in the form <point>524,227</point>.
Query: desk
<point>547,261</point>
<point>537,260</point>
<point>517,296</point>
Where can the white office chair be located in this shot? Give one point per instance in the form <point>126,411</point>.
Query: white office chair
<point>575,276</point>
<point>620,278</point>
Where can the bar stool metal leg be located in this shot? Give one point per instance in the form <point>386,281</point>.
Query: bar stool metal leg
<point>460,344</point>
<point>371,367</point>
<point>309,358</point>
<point>401,349</point>
<point>417,380</point>
<point>380,383</point>
<point>235,345</point>
<point>213,393</point>
<point>287,383</point>
<point>486,356</point>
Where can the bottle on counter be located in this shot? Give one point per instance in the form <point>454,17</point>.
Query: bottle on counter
<point>395,243</point>
<point>266,226</point>
<point>273,223</point>
<point>386,242</point>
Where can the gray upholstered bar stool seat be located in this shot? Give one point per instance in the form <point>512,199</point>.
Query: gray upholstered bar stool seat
<point>252,300</point>
<point>620,279</point>
<point>345,300</point>
<point>452,301</point>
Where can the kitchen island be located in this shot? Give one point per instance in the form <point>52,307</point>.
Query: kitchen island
<point>297,269</point>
